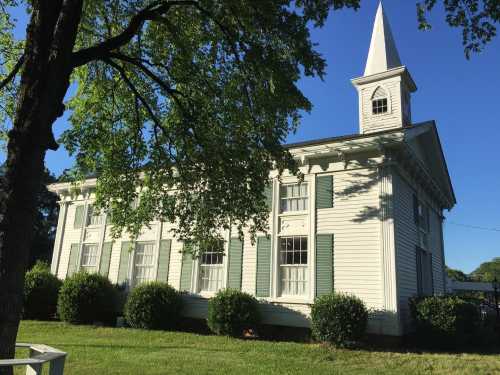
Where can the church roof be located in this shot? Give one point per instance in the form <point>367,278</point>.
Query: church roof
<point>383,54</point>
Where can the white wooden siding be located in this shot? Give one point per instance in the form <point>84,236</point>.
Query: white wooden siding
<point>354,221</point>
<point>393,118</point>
<point>406,242</point>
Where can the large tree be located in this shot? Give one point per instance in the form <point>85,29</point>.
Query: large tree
<point>45,222</point>
<point>183,103</point>
<point>487,271</point>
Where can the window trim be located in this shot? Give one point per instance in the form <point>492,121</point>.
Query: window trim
<point>195,272</point>
<point>281,266</point>
<point>378,106</point>
<point>132,264</point>
<point>96,256</point>
<point>306,197</point>
<point>387,96</point>
<point>90,214</point>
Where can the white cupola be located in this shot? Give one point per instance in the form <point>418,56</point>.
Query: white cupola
<point>386,86</point>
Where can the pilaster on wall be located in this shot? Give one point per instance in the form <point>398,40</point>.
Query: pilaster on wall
<point>61,223</point>
<point>390,313</point>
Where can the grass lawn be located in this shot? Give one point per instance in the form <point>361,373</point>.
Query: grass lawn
<point>94,350</point>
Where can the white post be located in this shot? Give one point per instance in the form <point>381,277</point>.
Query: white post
<point>34,369</point>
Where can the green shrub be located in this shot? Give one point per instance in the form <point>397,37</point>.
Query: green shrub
<point>153,305</point>
<point>231,312</point>
<point>444,321</point>
<point>86,298</point>
<point>339,319</point>
<point>40,293</point>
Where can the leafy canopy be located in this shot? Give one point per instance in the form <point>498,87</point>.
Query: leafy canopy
<point>487,271</point>
<point>186,121</point>
<point>182,106</point>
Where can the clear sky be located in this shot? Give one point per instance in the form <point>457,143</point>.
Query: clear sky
<point>461,95</point>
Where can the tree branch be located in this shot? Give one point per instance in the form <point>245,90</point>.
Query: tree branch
<point>149,13</point>
<point>13,73</point>
<point>134,90</point>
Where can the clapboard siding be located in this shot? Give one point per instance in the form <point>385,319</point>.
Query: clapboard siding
<point>249,271</point>
<point>436,244</point>
<point>406,241</point>
<point>373,123</point>
<point>357,267</point>
<point>71,236</point>
<point>355,223</point>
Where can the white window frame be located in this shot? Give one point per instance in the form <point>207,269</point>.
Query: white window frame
<point>387,96</point>
<point>153,266</point>
<point>288,268</point>
<point>305,198</point>
<point>95,257</point>
<point>195,275</point>
<point>423,224</point>
<point>310,232</point>
<point>92,220</point>
<point>210,273</point>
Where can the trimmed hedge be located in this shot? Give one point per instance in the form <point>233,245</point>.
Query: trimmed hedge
<point>444,321</point>
<point>41,289</point>
<point>153,305</point>
<point>231,312</point>
<point>87,298</point>
<point>339,319</point>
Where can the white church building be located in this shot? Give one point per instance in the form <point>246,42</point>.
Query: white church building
<point>367,220</point>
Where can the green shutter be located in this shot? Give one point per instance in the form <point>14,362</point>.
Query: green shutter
<point>324,191</point>
<point>78,223</point>
<point>163,260</point>
<point>105,258</point>
<point>268,193</point>
<point>186,271</point>
<point>74,254</point>
<point>324,264</point>
<point>124,261</point>
<point>263,282</point>
<point>235,263</point>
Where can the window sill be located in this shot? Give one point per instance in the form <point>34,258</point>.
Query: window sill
<point>294,213</point>
<point>93,226</point>
<point>293,300</point>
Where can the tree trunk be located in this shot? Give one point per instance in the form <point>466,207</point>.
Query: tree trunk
<point>50,38</point>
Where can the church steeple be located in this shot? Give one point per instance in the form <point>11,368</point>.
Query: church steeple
<point>386,86</point>
<point>383,54</point>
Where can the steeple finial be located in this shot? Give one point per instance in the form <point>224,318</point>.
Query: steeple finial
<point>383,54</point>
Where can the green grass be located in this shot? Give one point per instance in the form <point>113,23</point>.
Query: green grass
<point>94,350</point>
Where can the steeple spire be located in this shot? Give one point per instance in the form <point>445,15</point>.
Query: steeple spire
<point>386,87</point>
<point>383,54</point>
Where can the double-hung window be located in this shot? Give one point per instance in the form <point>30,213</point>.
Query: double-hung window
<point>211,270</point>
<point>93,218</point>
<point>88,261</point>
<point>423,225</point>
<point>293,265</point>
<point>143,266</point>
<point>294,197</point>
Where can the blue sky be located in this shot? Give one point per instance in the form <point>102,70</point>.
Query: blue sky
<point>461,95</point>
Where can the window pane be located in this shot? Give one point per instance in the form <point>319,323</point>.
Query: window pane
<point>303,190</point>
<point>293,268</point>
<point>303,243</point>
<point>294,197</point>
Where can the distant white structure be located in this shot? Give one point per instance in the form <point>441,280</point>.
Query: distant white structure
<point>453,286</point>
<point>367,219</point>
